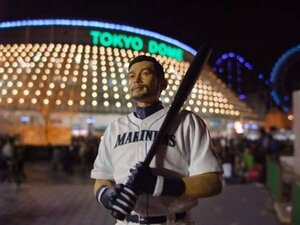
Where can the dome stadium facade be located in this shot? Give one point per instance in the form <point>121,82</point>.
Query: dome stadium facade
<point>60,78</point>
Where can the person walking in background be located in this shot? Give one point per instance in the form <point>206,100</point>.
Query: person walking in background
<point>56,158</point>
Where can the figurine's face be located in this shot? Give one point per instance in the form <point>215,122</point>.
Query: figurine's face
<point>143,83</point>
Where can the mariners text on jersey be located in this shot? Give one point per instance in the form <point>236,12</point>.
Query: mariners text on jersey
<point>143,135</point>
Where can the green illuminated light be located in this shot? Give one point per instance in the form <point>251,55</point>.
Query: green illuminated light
<point>165,50</point>
<point>108,39</point>
<point>116,40</point>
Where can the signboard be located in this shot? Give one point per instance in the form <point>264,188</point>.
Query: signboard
<point>108,39</point>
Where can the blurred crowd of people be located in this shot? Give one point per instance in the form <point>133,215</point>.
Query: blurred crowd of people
<point>244,160</point>
<point>12,159</point>
<point>81,154</point>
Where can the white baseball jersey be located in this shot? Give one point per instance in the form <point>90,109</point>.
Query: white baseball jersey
<point>186,151</point>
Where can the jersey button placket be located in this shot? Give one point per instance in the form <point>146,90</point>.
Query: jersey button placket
<point>140,145</point>
<point>143,143</point>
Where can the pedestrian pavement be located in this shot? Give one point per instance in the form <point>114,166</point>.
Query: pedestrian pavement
<point>55,198</point>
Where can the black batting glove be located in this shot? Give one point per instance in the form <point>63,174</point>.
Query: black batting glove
<point>142,179</point>
<point>119,198</point>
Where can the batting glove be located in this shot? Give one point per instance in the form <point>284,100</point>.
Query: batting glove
<point>145,182</point>
<point>142,179</point>
<point>119,198</point>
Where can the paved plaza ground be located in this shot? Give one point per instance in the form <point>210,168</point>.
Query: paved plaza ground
<point>55,198</point>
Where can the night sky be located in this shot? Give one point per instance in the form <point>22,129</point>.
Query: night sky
<point>260,32</point>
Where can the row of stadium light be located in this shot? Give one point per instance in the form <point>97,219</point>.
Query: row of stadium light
<point>48,72</point>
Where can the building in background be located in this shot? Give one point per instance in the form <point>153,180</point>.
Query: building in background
<point>240,75</point>
<point>60,78</point>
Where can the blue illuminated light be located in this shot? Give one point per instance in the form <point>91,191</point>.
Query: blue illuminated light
<point>279,63</point>
<point>235,68</point>
<point>90,120</point>
<point>285,57</point>
<point>254,127</point>
<point>219,61</point>
<point>275,97</point>
<point>225,56</point>
<point>240,61</point>
<point>260,76</point>
<point>248,65</point>
<point>240,58</point>
<point>25,119</point>
<point>231,54</point>
<point>242,96</point>
<point>95,24</point>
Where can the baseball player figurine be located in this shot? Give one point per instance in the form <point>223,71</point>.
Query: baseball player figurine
<point>184,169</point>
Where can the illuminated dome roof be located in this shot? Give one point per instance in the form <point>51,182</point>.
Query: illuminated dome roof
<point>80,66</point>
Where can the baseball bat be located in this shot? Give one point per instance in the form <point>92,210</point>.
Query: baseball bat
<point>183,92</point>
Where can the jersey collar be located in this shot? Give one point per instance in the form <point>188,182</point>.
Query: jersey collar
<point>143,112</point>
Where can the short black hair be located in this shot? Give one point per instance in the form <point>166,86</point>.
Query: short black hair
<point>159,70</point>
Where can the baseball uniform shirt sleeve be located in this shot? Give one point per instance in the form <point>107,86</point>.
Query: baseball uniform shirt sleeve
<point>203,159</point>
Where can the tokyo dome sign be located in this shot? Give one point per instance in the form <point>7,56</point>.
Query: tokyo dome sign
<point>107,39</point>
